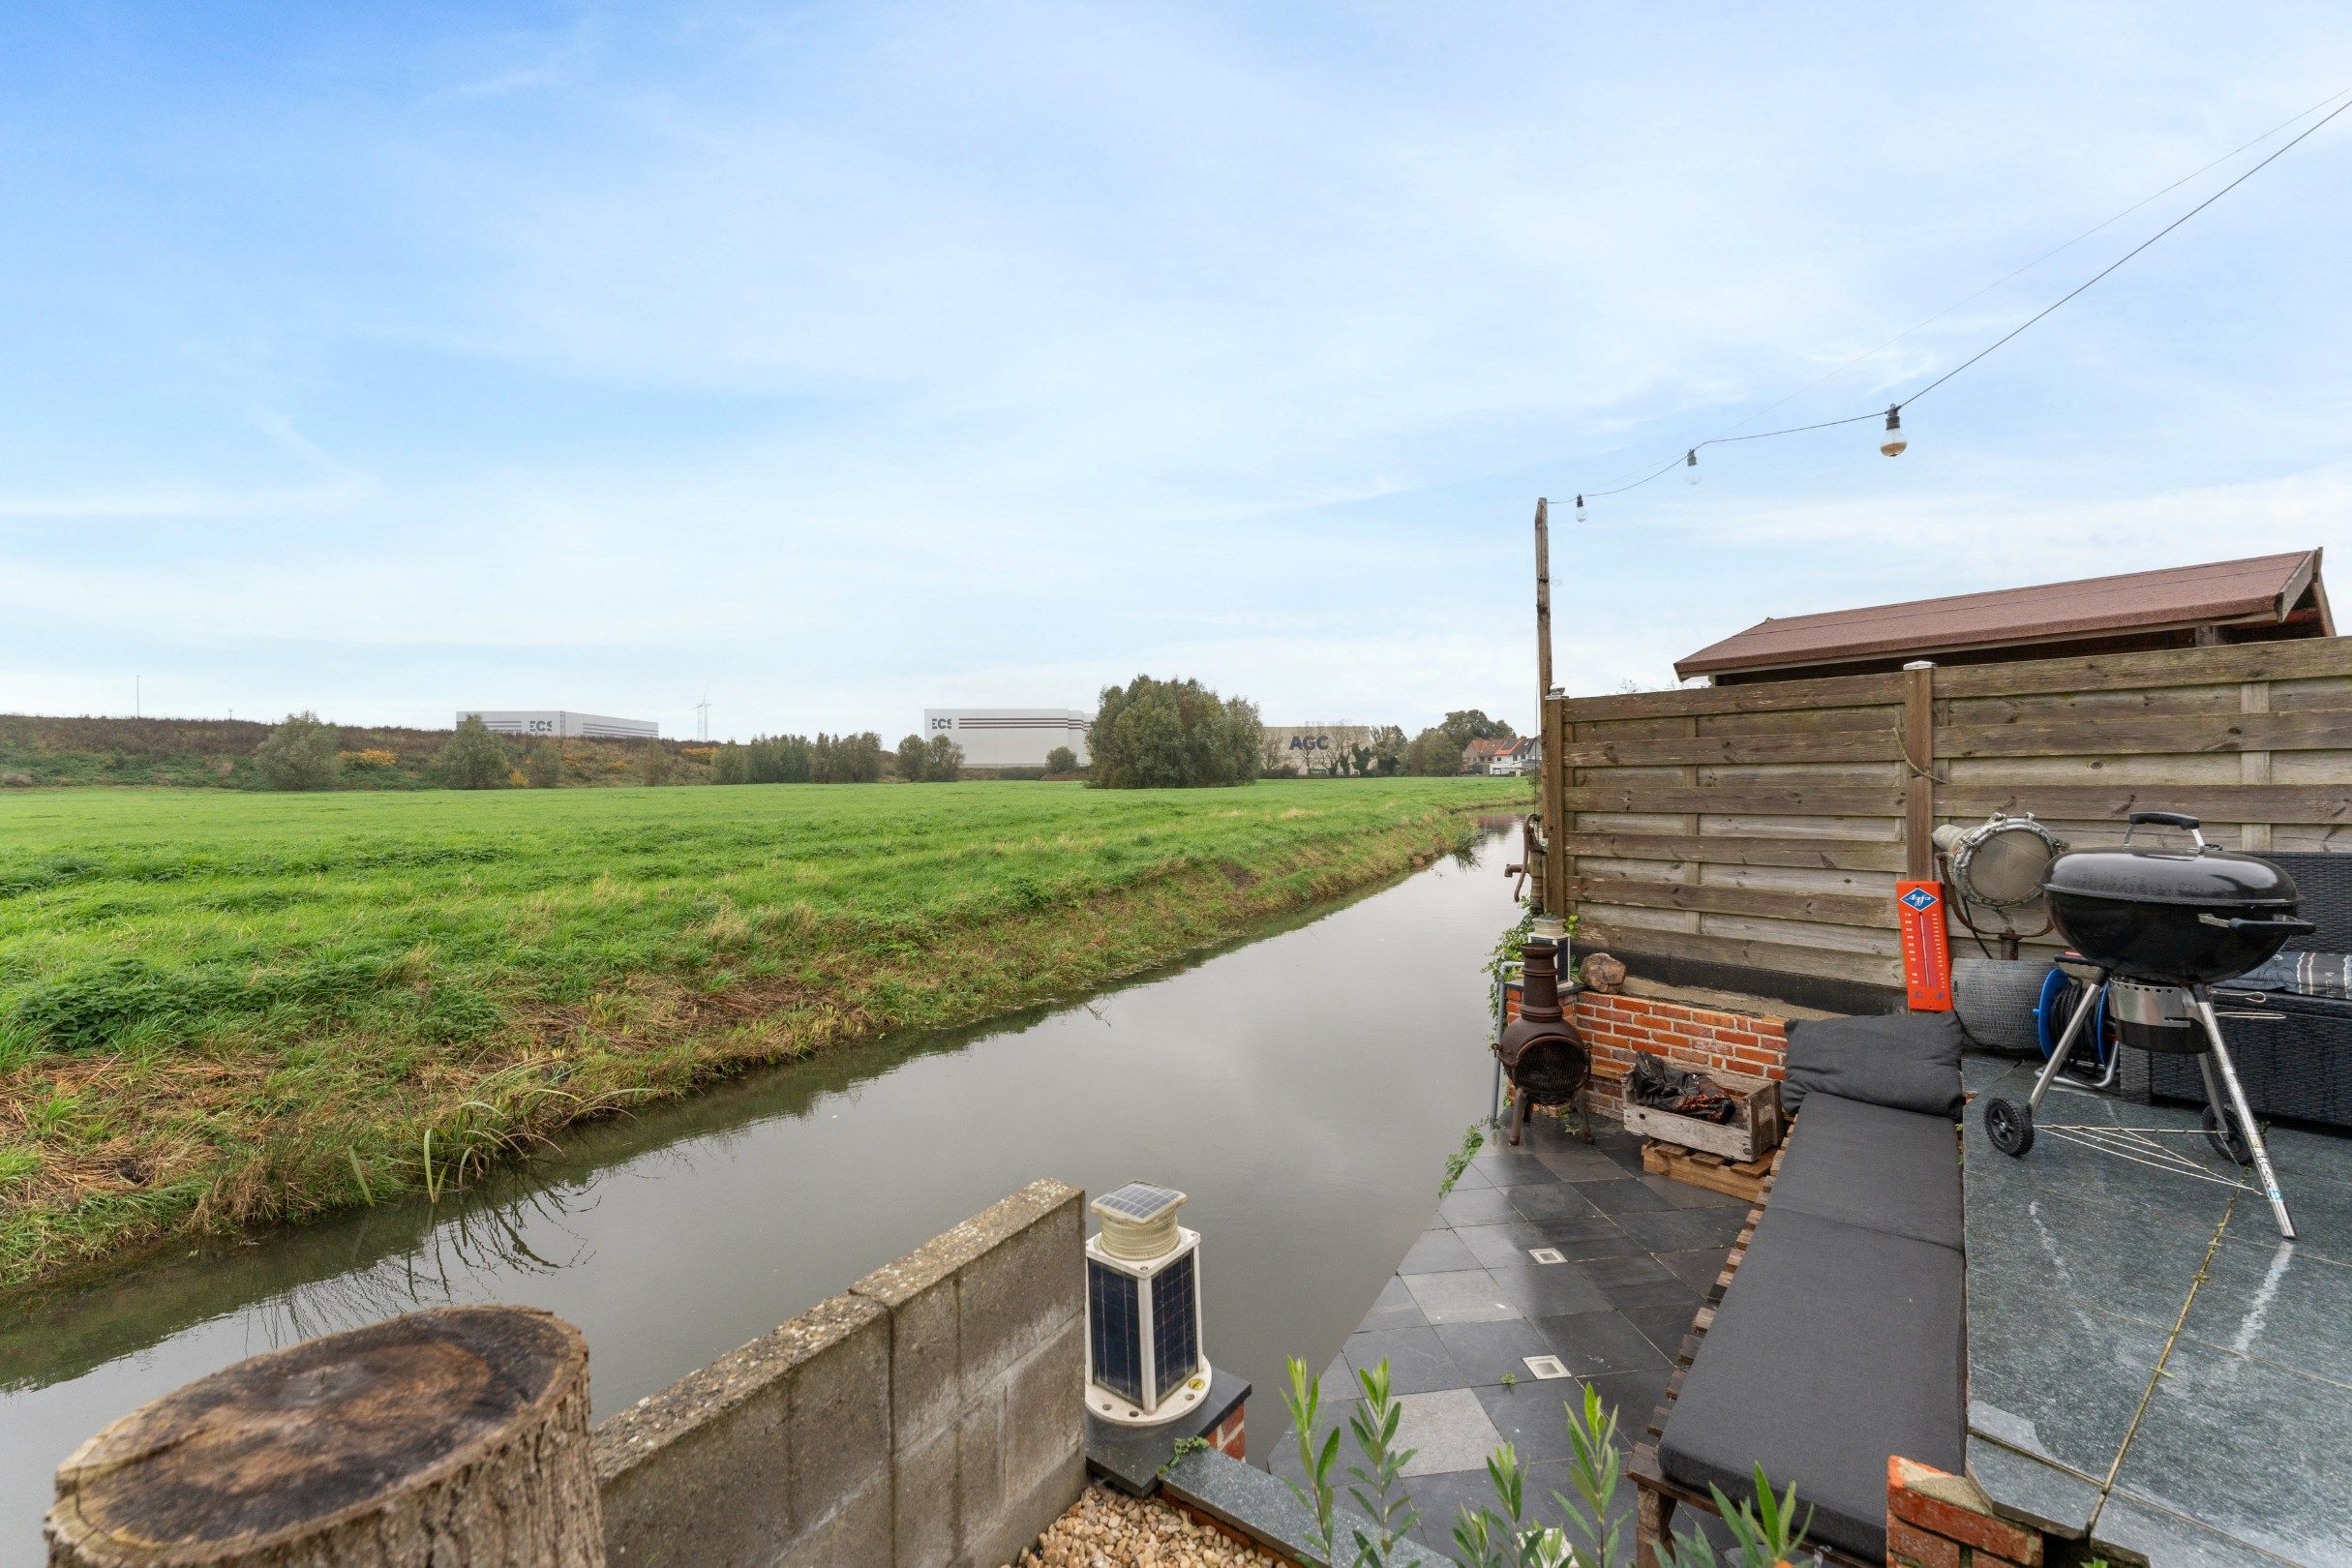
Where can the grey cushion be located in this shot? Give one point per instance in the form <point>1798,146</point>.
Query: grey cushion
<point>1893,1170</point>
<point>1909,1061</point>
<point>1835,1348</point>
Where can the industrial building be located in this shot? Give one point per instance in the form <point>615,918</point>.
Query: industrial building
<point>1311,749</point>
<point>1009,737</point>
<point>556,723</point>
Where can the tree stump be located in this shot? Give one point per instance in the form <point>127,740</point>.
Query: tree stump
<point>454,1436</point>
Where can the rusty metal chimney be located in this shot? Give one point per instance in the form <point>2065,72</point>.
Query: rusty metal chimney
<point>1542,1055</point>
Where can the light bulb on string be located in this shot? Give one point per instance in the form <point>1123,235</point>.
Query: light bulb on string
<point>1690,466</point>
<point>1579,508</point>
<point>1892,441</point>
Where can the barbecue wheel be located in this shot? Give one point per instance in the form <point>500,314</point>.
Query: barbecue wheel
<point>2010,1124</point>
<point>2229,1144</point>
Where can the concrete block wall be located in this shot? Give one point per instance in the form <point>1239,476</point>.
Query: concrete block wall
<point>931,1417</point>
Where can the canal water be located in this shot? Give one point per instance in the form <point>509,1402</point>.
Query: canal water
<point>1303,1087</point>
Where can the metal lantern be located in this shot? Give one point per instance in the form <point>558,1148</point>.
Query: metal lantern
<point>1143,1358</point>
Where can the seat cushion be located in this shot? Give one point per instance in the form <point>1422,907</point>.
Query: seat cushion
<point>1907,1061</point>
<point>1835,1348</point>
<point>1893,1170</point>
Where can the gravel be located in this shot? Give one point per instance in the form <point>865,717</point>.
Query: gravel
<point>1104,1530</point>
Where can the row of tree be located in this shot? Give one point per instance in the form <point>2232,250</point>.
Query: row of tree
<point>800,759</point>
<point>938,760</point>
<point>1150,735</point>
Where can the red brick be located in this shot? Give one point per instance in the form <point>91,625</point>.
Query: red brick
<point>1917,1549</point>
<point>1908,1498</point>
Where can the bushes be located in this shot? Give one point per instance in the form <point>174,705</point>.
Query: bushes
<point>474,759</point>
<point>1433,754</point>
<point>300,754</point>
<point>944,761</point>
<point>544,766</point>
<point>1061,760</point>
<point>1172,735</point>
<point>912,756</point>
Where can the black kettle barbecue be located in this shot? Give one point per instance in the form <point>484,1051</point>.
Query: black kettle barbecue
<point>2158,926</point>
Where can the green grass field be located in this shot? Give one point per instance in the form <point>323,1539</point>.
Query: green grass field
<point>220,1008</point>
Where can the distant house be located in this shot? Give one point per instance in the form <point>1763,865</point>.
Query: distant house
<point>1478,756</point>
<point>1514,758</point>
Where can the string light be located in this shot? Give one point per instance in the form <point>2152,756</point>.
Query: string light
<point>1579,508</point>
<point>1892,441</point>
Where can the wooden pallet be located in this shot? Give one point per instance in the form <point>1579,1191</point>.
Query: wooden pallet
<point>1740,1179</point>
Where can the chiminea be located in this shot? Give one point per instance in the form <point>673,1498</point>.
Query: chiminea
<point>1542,1053</point>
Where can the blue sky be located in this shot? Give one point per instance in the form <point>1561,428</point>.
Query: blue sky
<point>836,361</point>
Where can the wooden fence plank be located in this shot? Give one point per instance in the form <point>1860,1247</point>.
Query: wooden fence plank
<point>1826,909</point>
<point>1730,849</point>
<point>2240,803</point>
<point>1791,801</point>
<point>2316,729</point>
<point>1881,745</point>
<point>2297,660</point>
<point>1768,696</point>
<point>1592,936</point>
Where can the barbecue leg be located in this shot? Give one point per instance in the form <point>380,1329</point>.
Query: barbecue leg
<point>2245,1113</point>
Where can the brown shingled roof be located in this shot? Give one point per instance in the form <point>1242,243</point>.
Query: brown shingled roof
<point>2263,588</point>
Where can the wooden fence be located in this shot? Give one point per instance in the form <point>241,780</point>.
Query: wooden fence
<point>1762,826</point>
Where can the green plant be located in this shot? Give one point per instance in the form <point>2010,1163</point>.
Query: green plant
<point>1766,1530</point>
<point>913,759</point>
<point>1317,1495</point>
<point>543,765</point>
<point>1154,734</point>
<point>473,759</point>
<point>300,754</point>
<point>1386,1505</point>
<point>1183,1448</point>
<point>1473,1139</point>
<point>943,759</point>
<point>1061,760</point>
<point>1508,949</point>
<point>1510,1379</point>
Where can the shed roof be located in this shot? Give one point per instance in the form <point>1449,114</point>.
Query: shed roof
<point>2263,588</point>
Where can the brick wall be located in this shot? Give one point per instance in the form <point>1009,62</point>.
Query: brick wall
<point>1231,1438</point>
<point>1710,1038</point>
<point>1936,1520</point>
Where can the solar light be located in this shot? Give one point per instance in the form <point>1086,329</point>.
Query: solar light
<point>1143,1359</point>
<point>1893,441</point>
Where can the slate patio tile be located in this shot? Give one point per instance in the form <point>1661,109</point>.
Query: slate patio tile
<point>1579,1163</point>
<point>1462,1296</point>
<point>1550,1201</point>
<point>1548,1290</point>
<point>1590,1343</point>
<point>1664,1326</point>
<point>1532,1417</point>
<point>1447,1428</point>
<point>1488,1352</point>
<point>1501,1246</point>
<point>1478,1206</point>
<point>1697,1268</point>
<point>1675,1231</point>
<point>1417,1359</point>
<point>1393,1308</point>
<point>1627,1194</point>
<point>1505,1167</point>
<point>1435,1251</point>
<point>1683,1195</point>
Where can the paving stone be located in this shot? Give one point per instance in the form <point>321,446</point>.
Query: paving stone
<point>1488,1352</point>
<point>1550,1201</point>
<point>1417,1359</point>
<point>1589,1343</point>
<point>1547,1290</point>
<point>1448,1429</point>
<point>1435,1251</point>
<point>1463,1296</point>
<point>1481,1206</point>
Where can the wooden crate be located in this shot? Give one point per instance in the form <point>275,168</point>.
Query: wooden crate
<point>1754,1131</point>
<point>1742,1178</point>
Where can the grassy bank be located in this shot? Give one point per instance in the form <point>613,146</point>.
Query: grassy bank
<point>218,1008</point>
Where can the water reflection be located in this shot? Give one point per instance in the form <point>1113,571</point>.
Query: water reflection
<point>1304,1088</point>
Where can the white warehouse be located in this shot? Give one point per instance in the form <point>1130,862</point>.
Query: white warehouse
<point>1009,737</point>
<point>557,722</point>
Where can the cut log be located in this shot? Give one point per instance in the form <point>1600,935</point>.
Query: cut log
<point>454,1436</point>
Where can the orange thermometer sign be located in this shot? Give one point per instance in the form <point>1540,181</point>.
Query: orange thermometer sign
<point>1927,963</point>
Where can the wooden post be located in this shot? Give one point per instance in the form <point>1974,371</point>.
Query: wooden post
<point>1552,775</point>
<point>1919,770</point>
<point>1543,604</point>
<point>2254,766</point>
<point>454,1436</point>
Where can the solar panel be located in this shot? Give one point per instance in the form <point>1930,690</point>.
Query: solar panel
<point>1139,1200</point>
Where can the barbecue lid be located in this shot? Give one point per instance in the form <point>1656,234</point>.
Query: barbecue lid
<point>2212,877</point>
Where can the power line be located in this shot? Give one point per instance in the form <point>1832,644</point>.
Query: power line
<point>1690,454</point>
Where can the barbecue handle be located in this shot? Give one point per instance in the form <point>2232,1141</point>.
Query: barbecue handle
<point>2287,924</point>
<point>2165,819</point>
